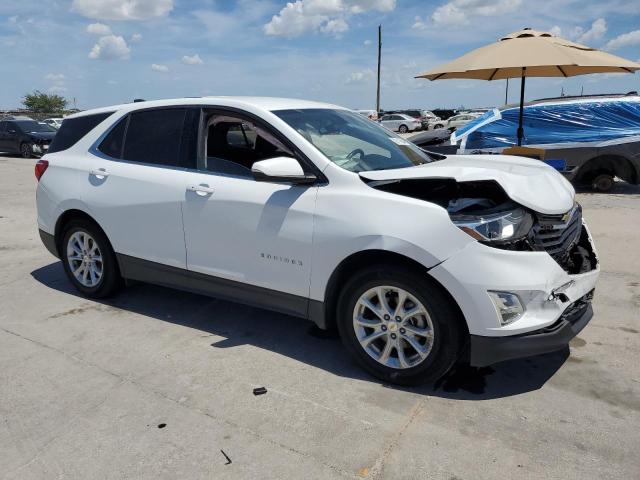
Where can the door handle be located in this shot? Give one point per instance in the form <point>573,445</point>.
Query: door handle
<point>203,189</point>
<point>99,173</point>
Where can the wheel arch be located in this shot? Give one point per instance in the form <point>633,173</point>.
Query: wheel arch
<point>325,316</point>
<point>68,216</point>
<point>617,165</point>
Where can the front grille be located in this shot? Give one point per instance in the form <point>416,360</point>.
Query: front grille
<point>557,234</point>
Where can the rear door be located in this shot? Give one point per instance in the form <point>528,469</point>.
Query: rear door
<point>135,183</point>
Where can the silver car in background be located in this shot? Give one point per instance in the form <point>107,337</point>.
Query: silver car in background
<point>399,122</point>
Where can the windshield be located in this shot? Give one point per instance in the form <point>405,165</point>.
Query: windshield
<point>32,126</point>
<point>352,141</point>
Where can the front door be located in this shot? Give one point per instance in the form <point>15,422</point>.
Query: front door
<point>246,232</point>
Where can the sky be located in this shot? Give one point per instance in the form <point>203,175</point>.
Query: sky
<point>103,52</point>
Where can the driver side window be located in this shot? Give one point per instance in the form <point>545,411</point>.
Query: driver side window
<point>234,144</point>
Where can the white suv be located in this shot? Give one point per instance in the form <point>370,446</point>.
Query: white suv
<point>312,210</point>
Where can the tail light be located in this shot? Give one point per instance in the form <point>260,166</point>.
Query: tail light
<point>41,167</point>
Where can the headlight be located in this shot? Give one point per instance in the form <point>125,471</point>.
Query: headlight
<point>511,225</point>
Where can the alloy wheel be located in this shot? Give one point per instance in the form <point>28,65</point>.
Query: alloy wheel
<point>25,150</point>
<point>393,327</point>
<point>84,259</point>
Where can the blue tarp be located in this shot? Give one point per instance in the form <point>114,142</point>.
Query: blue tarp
<point>552,123</point>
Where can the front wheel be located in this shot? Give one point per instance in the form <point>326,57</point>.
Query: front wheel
<point>89,260</point>
<point>403,129</point>
<point>399,325</point>
<point>25,150</point>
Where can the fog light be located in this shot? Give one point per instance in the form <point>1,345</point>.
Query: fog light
<point>508,306</point>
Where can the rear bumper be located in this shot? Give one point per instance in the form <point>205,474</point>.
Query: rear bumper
<point>49,242</point>
<point>489,350</point>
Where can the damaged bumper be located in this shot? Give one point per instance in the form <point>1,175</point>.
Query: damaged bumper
<point>549,294</point>
<point>489,350</point>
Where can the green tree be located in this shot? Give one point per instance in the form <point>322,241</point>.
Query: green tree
<point>42,102</point>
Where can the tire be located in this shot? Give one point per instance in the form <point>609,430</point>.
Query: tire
<point>437,126</point>
<point>109,280</point>
<point>442,319</point>
<point>25,150</point>
<point>603,182</point>
<point>403,129</point>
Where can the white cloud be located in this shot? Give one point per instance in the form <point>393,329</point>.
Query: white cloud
<point>122,9</point>
<point>459,12</point>
<point>362,76</point>
<point>192,60</point>
<point>110,47</point>
<point>335,26</point>
<point>57,82</point>
<point>327,16</point>
<point>555,30</point>
<point>159,68</point>
<point>98,29</point>
<point>136,37</point>
<point>624,40</point>
<point>597,30</point>
<point>367,42</point>
<point>418,24</point>
<point>55,77</point>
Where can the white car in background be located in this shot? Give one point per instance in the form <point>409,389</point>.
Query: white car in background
<point>53,122</point>
<point>399,122</point>
<point>370,114</point>
<point>461,119</point>
<point>310,209</point>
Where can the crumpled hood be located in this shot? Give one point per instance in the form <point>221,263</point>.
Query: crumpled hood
<point>530,183</point>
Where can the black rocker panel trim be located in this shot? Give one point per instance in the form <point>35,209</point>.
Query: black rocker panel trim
<point>156,273</point>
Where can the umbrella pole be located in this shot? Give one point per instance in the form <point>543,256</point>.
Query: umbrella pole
<point>520,129</point>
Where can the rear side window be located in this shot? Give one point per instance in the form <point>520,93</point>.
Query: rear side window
<point>154,136</point>
<point>73,129</point>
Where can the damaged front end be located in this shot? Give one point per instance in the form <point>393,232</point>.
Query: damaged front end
<point>484,211</point>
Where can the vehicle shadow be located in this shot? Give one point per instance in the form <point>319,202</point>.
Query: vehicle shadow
<point>297,339</point>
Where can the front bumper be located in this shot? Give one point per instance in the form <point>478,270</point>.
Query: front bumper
<point>532,275</point>
<point>489,350</point>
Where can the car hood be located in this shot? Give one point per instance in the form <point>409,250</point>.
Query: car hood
<point>42,135</point>
<point>531,183</point>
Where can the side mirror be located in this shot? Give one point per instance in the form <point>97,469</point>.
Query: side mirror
<point>281,170</point>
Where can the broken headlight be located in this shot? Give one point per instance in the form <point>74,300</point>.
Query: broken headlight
<point>495,227</point>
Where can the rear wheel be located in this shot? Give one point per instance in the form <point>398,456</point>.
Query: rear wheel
<point>399,325</point>
<point>89,260</point>
<point>25,150</point>
<point>403,129</point>
<point>438,125</point>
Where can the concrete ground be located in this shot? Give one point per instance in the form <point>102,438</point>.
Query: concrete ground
<point>157,383</point>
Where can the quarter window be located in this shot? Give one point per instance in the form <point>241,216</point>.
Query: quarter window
<point>73,129</point>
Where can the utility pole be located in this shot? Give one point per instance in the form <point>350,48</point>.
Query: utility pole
<point>379,57</point>
<point>506,93</point>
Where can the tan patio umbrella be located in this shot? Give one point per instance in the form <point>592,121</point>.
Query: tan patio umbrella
<point>529,53</point>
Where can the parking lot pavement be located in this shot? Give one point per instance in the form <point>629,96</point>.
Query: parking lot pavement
<point>86,386</point>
